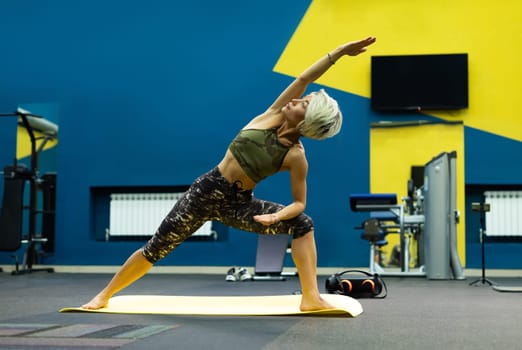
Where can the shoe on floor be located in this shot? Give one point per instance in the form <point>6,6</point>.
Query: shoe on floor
<point>243,274</point>
<point>232,275</point>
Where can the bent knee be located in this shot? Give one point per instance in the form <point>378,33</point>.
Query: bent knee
<point>304,226</point>
<point>300,235</point>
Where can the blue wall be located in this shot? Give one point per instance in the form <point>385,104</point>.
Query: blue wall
<point>492,159</point>
<point>150,94</point>
<point>491,164</point>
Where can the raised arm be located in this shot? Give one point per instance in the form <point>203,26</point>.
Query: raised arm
<point>316,70</point>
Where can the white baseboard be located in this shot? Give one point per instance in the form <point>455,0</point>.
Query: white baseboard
<point>222,270</point>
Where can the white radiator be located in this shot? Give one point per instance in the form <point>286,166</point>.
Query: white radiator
<point>140,214</point>
<point>505,215</point>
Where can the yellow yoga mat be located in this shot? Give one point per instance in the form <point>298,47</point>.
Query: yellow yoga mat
<point>273,305</point>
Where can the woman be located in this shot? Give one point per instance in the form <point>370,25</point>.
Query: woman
<point>269,143</point>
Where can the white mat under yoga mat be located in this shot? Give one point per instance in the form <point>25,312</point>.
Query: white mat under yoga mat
<point>511,289</point>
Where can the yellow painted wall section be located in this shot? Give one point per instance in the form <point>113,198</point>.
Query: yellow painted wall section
<point>23,143</point>
<point>489,31</point>
<point>395,150</point>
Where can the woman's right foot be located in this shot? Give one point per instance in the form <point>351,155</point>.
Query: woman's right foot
<point>314,303</point>
<point>96,303</point>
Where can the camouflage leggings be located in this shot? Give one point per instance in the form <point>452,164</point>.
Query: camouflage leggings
<point>211,197</point>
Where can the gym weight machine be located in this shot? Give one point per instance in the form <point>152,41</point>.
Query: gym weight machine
<point>15,177</point>
<point>433,219</point>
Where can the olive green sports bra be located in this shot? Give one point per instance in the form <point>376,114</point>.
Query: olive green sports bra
<point>258,152</point>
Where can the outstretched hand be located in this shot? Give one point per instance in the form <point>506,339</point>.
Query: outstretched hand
<point>354,48</point>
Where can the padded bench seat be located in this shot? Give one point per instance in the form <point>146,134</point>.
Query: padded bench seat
<point>371,201</point>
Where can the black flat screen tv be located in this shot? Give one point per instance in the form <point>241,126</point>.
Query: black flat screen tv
<point>419,82</point>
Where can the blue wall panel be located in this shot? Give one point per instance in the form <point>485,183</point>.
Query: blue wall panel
<point>151,94</point>
<point>492,159</point>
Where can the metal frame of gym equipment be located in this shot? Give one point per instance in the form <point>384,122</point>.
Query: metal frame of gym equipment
<point>437,222</point>
<point>482,208</point>
<point>31,122</point>
<point>441,218</point>
<point>387,204</point>
<point>270,257</point>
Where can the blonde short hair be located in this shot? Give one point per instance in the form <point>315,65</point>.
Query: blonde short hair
<point>323,118</point>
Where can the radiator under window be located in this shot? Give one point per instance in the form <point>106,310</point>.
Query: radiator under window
<point>140,214</point>
<point>505,215</point>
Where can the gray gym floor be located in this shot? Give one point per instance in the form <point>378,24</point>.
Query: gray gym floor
<point>417,314</point>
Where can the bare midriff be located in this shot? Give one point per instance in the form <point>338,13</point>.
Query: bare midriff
<point>233,173</point>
